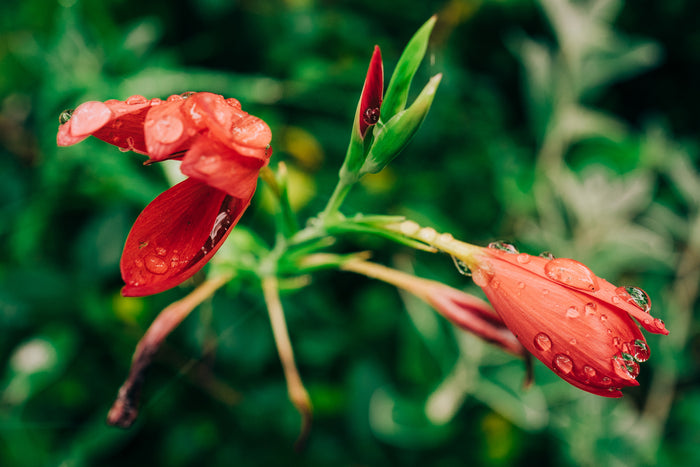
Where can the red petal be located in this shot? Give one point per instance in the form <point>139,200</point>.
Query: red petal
<point>372,92</point>
<point>176,235</point>
<point>115,122</point>
<point>167,130</point>
<point>219,166</point>
<point>226,121</point>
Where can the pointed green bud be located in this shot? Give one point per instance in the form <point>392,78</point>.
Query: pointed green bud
<point>397,92</point>
<point>392,137</point>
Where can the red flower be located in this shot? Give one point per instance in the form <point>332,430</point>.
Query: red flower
<point>222,149</point>
<point>577,324</point>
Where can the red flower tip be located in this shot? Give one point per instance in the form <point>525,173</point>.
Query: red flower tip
<point>576,323</point>
<point>372,93</point>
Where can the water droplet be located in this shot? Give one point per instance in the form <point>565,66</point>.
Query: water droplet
<point>521,285</point>
<point>482,276</point>
<point>503,246</point>
<point>174,98</point>
<point>168,129</point>
<point>461,266</point>
<point>233,102</point>
<point>174,261</point>
<point>589,308</point>
<point>640,350</point>
<point>659,324</point>
<point>573,341</point>
<point>589,372</point>
<point>603,318</point>
<point>635,296</point>
<point>543,342</point>
<point>65,116</point>
<point>133,100</point>
<point>187,94</point>
<point>571,273</point>
<point>155,264</point>
<point>160,251</point>
<point>156,101</point>
<point>572,312</point>
<point>616,341</point>
<point>208,165</point>
<point>625,369</point>
<point>138,263</point>
<point>605,381</point>
<point>371,115</point>
<point>547,255</point>
<point>523,258</point>
<point>563,363</point>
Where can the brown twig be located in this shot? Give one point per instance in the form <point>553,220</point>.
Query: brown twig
<point>125,408</point>
<point>295,387</point>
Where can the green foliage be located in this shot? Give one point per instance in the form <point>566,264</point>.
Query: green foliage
<point>566,126</point>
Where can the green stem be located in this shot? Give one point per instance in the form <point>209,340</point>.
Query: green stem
<point>341,191</point>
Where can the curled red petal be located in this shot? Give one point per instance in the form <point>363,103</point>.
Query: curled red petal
<point>226,121</point>
<point>372,92</point>
<point>167,130</point>
<point>175,236</point>
<point>221,167</point>
<point>115,122</point>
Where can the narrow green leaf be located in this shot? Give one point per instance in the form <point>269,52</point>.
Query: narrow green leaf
<point>397,92</point>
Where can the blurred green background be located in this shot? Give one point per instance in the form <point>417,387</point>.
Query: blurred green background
<point>568,126</point>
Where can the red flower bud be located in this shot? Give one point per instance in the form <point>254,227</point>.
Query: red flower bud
<point>576,323</point>
<point>372,93</point>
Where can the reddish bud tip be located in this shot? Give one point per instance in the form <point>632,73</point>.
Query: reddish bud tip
<point>372,93</point>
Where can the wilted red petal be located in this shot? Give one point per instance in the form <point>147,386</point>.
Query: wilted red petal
<point>372,92</point>
<point>175,235</point>
<point>216,165</point>
<point>474,315</point>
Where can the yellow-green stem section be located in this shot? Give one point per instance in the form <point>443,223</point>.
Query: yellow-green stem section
<point>391,276</point>
<point>445,242</point>
<point>295,387</point>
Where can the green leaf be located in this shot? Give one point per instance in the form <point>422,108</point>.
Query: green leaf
<point>397,92</point>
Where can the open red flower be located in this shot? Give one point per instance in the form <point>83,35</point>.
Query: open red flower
<point>576,323</point>
<point>222,149</point>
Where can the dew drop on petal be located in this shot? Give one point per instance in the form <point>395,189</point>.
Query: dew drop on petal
<point>563,363</point>
<point>503,246</point>
<point>589,308</point>
<point>89,117</point>
<point>572,312</point>
<point>461,266</point>
<point>659,324</point>
<point>571,273</point>
<point>482,276</point>
<point>605,381</point>
<point>155,264</point>
<point>208,165</point>
<point>603,318</point>
<point>166,130</point>
<point>160,251</point>
<point>133,100</point>
<point>543,342</point>
<point>65,116</point>
<point>635,296</point>
<point>547,255</point>
<point>523,258</point>
<point>625,368</point>
<point>640,350</point>
<point>175,98</point>
<point>187,94</point>
<point>156,101</point>
<point>233,102</point>
<point>616,341</point>
<point>589,372</point>
<point>573,341</point>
